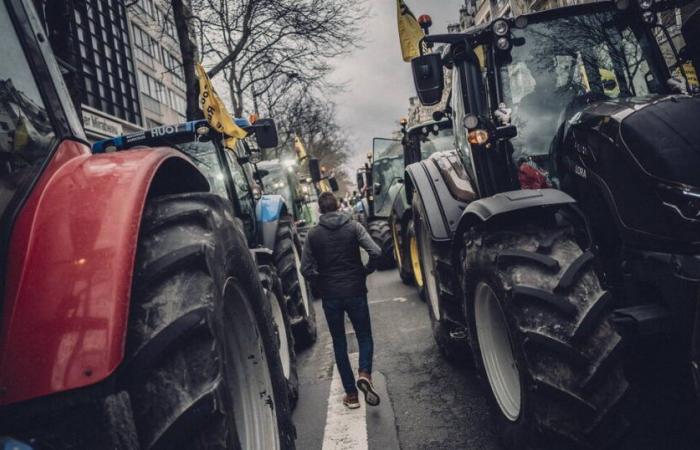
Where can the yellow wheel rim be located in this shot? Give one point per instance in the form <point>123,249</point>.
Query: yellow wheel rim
<point>415,262</point>
<point>397,252</point>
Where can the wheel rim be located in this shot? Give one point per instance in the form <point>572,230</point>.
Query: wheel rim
<point>301,280</point>
<point>415,261</point>
<point>427,272</point>
<point>251,383</point>
<point>497,352</point>
<point>281,330</point>
<point>397,251</point>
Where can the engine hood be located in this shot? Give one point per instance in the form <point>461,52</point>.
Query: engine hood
<point>661,133</point>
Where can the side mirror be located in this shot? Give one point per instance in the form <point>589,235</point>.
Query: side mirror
<point>691,34</point>
<point>360,181</point>
<point>266,133</point>
<point>315,170</point>
<point>377,188</point>
<point>334,184</point>
<point>428,78</point>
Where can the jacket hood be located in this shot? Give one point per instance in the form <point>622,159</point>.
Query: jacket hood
<point>333,220</point>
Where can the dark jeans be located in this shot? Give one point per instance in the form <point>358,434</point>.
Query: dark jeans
<point>358,311</point>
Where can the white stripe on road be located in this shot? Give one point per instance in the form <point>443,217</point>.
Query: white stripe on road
<point>346,429</point>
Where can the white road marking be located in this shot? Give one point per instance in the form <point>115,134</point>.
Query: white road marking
<point>385,300</point>
<point>346,429</point>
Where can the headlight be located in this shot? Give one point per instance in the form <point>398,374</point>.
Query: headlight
<point>649,17</point>
<point>500,27</point>
<point>646,4</point>
<point>502,43</point>
<point>685,203</point>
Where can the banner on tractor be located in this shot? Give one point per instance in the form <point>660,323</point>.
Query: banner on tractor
<point>299,148</point>
<point>215,111</point>
<point>410,32</point>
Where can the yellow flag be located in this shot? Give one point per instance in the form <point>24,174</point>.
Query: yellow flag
<point>410,32</point>
<point>299,148</point>
<point>215,111</point>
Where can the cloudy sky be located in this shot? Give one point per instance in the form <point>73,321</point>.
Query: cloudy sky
<point>378,82</point>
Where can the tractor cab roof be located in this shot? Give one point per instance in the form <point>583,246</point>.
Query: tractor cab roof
<point>165,135</point>
<point>431,125</point>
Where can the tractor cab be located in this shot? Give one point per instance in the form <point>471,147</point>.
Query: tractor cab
<point>387,171</point>
<point>227,166</point>
<point>518,83</point>
<point>424,139</point>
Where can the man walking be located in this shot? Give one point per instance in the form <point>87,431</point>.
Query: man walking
<point>331,262</point>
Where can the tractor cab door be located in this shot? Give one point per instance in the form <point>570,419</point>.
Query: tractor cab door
<point>387,169</point>
<point>245,190</point>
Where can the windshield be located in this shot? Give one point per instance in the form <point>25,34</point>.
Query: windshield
<point>385,147</point>
<point>558,66</point>
<point>431,143</point>
<point>203,155</point>
<point>276,180</point>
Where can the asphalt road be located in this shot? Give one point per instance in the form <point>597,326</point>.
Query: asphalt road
<point>429,404</point>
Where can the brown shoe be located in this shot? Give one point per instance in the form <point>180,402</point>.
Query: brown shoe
<point>351,401</point>
<point>364,383</point>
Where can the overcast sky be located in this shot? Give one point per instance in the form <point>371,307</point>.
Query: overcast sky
<point>378,82</point>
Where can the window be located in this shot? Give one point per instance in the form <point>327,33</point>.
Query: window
<point>26,135</point>
<point>152,87</point>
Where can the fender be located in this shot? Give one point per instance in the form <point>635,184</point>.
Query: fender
<point>268,212</point>
<point>400,207</point>
<point>505,203</point>
<point>70,266</point>
<point>442,209</point>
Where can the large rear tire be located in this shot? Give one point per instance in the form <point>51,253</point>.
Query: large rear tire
<point>202,366</point>
<point>283,330</point>
<point>540,329</point>
<point>453,349</point>
<point>403,263</point>
<point>380,232</point>
<point>287,254</point>
<point>414,259</point>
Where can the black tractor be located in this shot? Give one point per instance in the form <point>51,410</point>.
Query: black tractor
<point>568,217</point>
<point>419,142</point>
<point>379,181</point>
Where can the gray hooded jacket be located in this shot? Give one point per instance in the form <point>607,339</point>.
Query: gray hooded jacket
<point>331,258</point>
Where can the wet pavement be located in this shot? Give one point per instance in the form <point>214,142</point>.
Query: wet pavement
<point>427,403</point>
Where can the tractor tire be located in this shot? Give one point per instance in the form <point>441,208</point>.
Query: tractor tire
<point>401,256</point>
<point>287,254</point>
<point>444,332</point>
<point>272,286</point>
<point>202,367</point>
<point>541,332</point>
<point>380,232</point>
<point>302,233</point>
<point>414,259</point>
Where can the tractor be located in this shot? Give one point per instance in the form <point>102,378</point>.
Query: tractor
<point>267,220</point>
<point>379,181</point>
<point>566,223</point>
<point>419,142</point>
<point>133,315</point>
<point>300,193</point>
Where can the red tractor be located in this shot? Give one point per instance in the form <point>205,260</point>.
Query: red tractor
<point>132,314</point>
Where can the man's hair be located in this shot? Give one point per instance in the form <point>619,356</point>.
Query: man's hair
<point>327,202</point>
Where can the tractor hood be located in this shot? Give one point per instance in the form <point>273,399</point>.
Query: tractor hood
<point>661,133</point>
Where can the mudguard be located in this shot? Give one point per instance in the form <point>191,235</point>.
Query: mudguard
<point>268,212</point>
<point>442,209</point>
<point>485,209</point>
<point>70,266</point>
<point>401,207</point>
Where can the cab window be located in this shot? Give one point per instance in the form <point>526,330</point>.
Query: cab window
<point>26,131</point>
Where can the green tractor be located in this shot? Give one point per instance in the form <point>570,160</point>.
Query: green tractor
<point>419,142</point>
<point>379,181</point>
<point>563,232</point>
<point>281,178</point>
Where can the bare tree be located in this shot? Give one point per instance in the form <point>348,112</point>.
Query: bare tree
<point>259,45</point>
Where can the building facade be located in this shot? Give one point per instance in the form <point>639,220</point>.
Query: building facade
<point>121,65</point>
<point>158,63</point>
